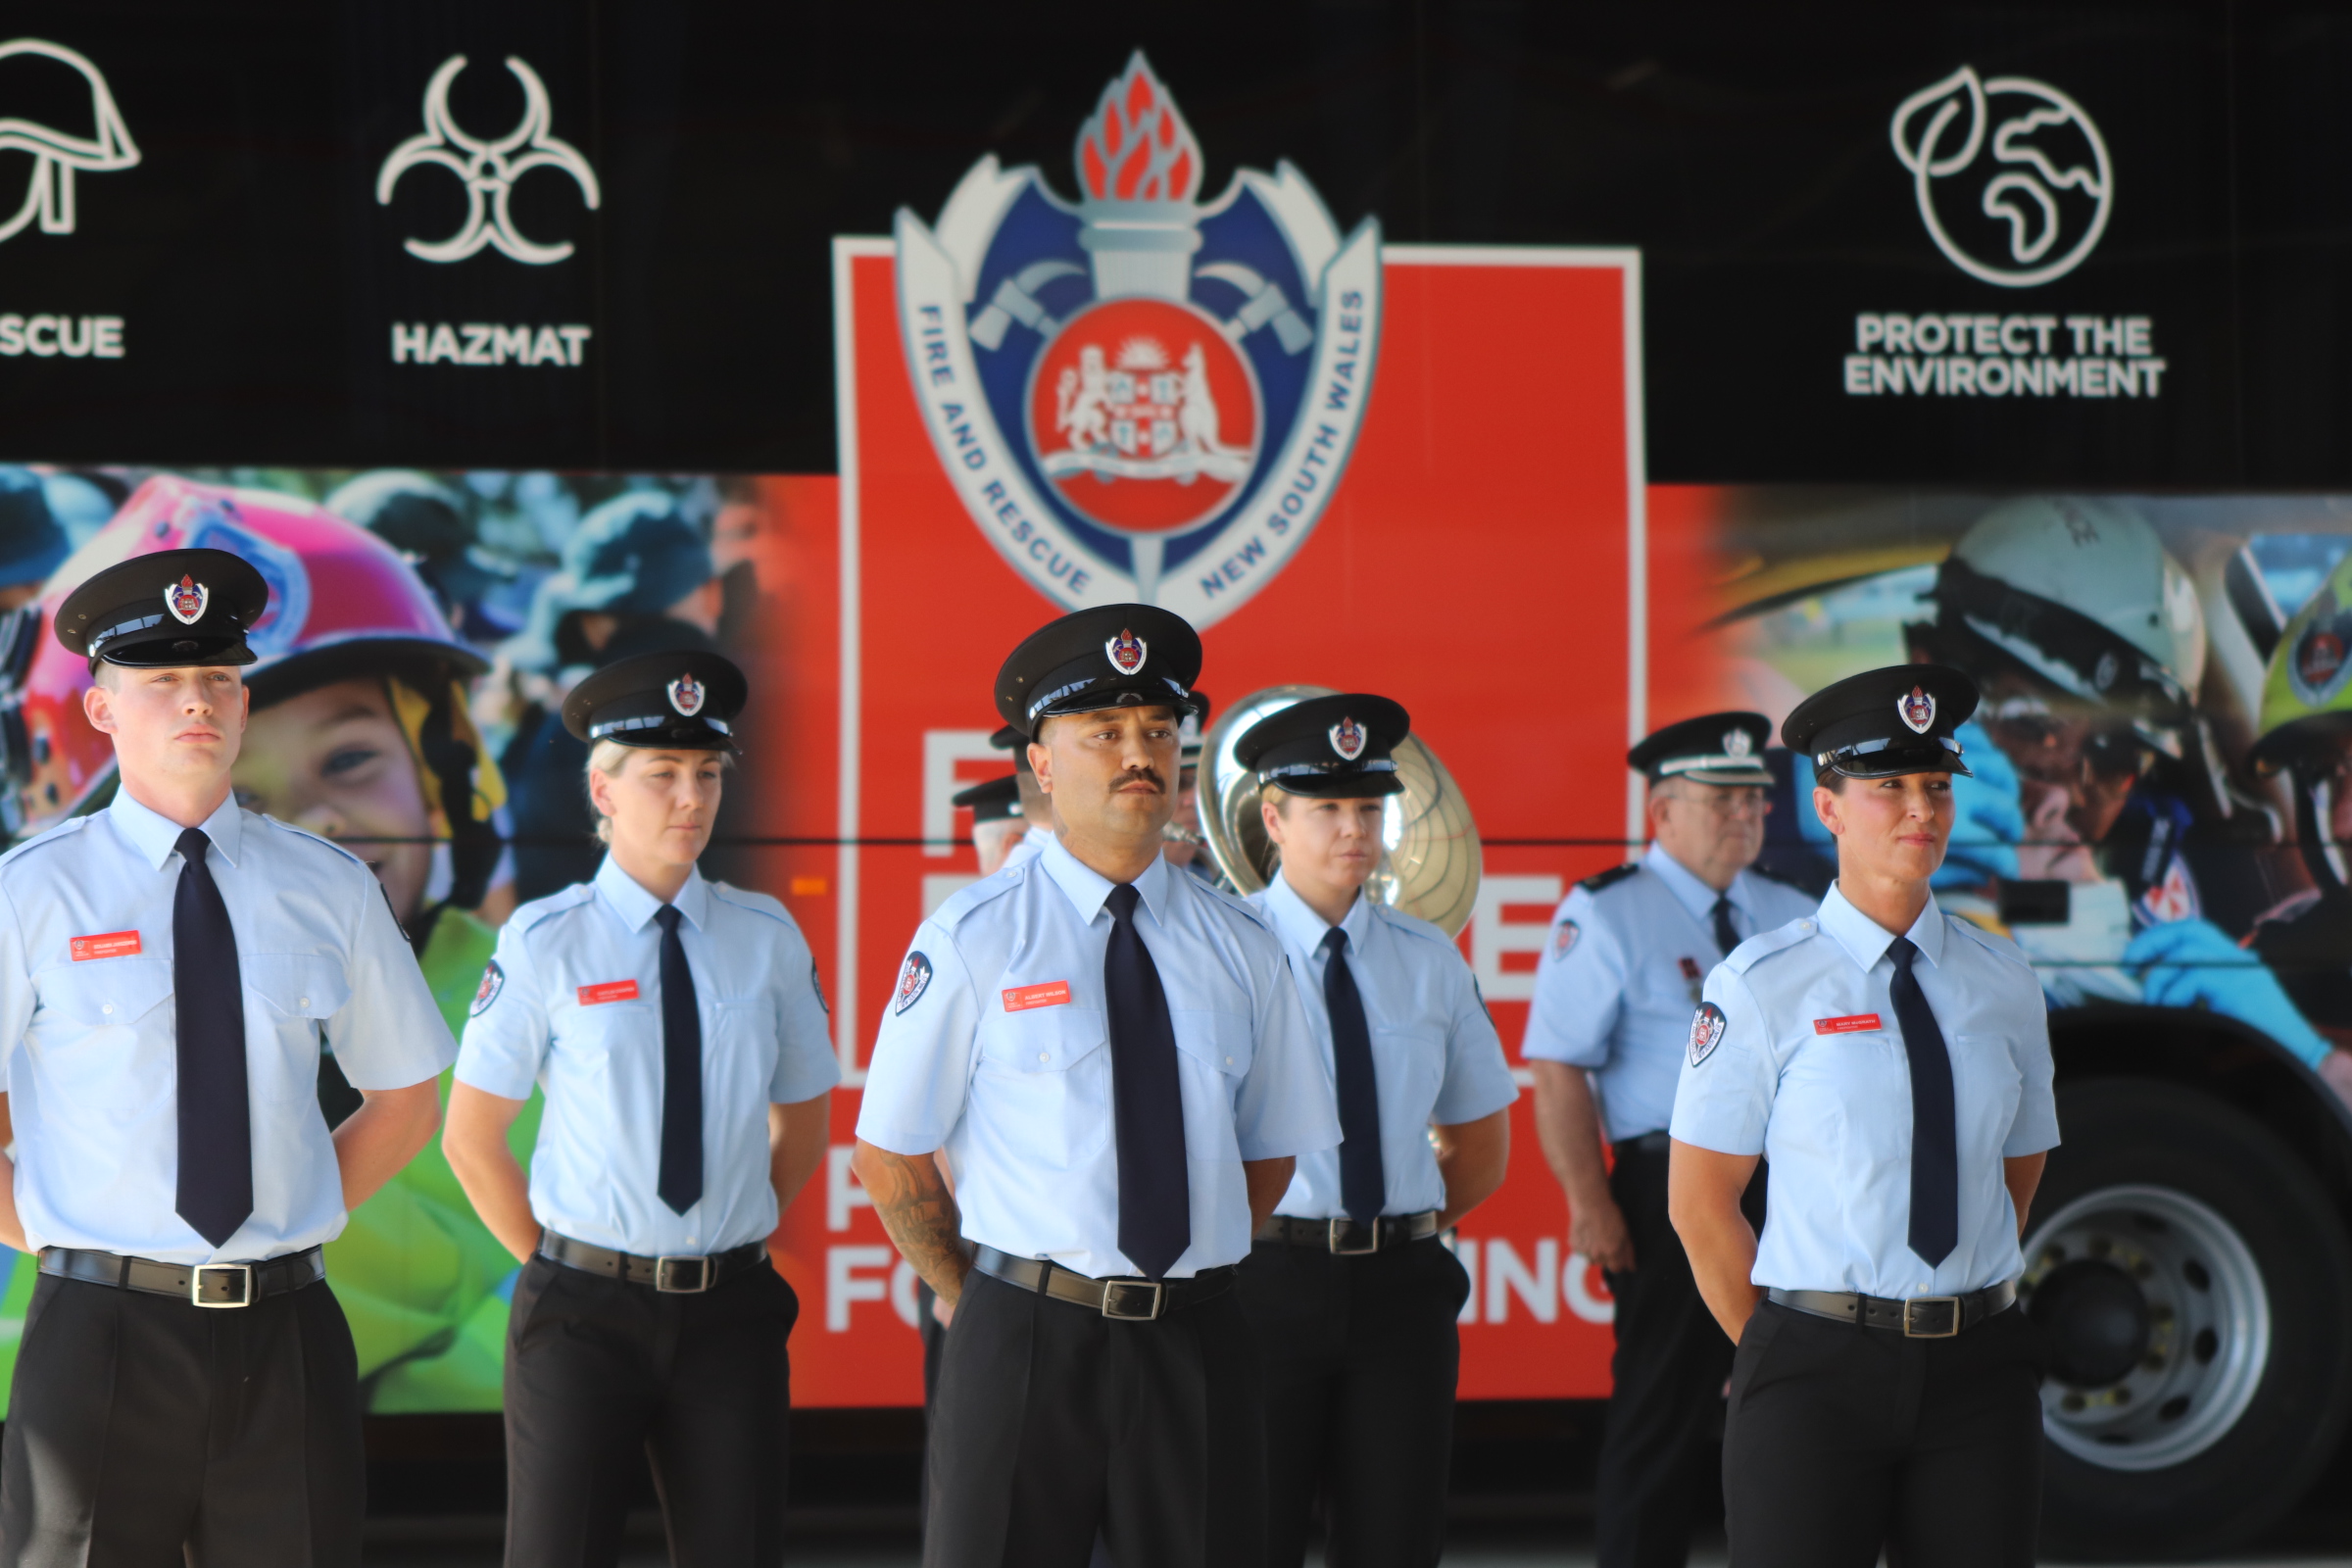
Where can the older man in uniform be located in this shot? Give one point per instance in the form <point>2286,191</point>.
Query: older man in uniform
<point>1614,990</point>
<point>187,1388</point>
<point>1115,1060</point>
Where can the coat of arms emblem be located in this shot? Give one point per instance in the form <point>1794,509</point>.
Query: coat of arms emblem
<point>1137,395</point>
<point>686,696</point>
<point>186,599</point>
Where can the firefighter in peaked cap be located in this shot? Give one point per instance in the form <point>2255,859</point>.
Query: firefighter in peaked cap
<point>1353,1296</point>
<point>1614,989</point>
<point>1037,808</point>
<point>678,1031</point>
<point>2306,736</point>
<point>169,967</point>
<point>1116,1062</point>
<point>1892,1061</point>
<point>1187,849</point>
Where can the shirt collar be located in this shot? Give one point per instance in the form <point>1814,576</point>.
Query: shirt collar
<point>155,836</point>
<point>1866,942</point>
<point>1687,890</point>
<point>635,906</point>
<point>1088,888</point>
<point>1303,928</point>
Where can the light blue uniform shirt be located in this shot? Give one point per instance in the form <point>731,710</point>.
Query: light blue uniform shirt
<point>552,1011</point>
<point>1436,1056</point>
<point>1032,845</point>
<point>1810,1072</point>
<point>93,1067</point>
<point>1617,982</point>
<point>996,1047</point>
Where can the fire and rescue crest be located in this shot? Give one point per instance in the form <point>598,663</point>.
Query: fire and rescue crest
<point>186,599</point>
<point>1139,396</point>
<point>686,696</point>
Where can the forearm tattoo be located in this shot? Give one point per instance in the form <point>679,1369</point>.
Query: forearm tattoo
<point>920,1214</point>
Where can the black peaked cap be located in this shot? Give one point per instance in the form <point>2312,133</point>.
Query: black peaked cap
<point>992,801</point>
<point>1883,724</point>
<point>1111,655</point>
<point>174,607</point>
<point>1328,746</point>
<point>685,699</point>
<point>1712,749</point>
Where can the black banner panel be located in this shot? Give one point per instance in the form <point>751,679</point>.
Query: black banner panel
<point>2031,245</point>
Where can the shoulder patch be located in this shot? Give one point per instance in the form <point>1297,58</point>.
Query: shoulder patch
<point>1706,1030</point>
<point>1563,938</point>
<point>1764,944</point>
<point>1611,877</point>
<point>555,903</point>
<point>988,889</point>
<point>62,830</point>
<point>494,981</point>
<point>914,978</point>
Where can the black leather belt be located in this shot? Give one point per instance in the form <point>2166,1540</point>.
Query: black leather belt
<point>1346,1237</point>
<point>202,1284</point>
<point>676,1274</point>
<point>1922,1317</point>
<point>1657,1143</point>
<point>1126,1300</point>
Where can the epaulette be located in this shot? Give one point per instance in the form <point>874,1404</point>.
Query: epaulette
<point>758,903</point>
<point>538,909</point>
<point>1234,902</point>
<point>1991,941</point>
<point>1611,877</point>
<point>950,914</point>
<point>1414,925</point>
<point>1764,944</point>
<point>305,833</point>
<point>65,829</point>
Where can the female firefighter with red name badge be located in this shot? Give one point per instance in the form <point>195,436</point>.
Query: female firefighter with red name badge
<point>677,1030</point>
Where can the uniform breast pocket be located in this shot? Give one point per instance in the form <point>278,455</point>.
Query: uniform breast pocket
<point>1408,1068</point>
<point>1046,1070</point>
<point>1986,1086</point>
<point>297,993</point>
<point>1848,1097</point>
<point>739,1056</point>
<point>85,1033</point>
<point>1213,1053</point>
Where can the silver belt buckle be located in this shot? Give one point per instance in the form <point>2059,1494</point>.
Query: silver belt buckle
<point>1910,1317</point>
<point>1340,1228</point>
<point>243,1272</point>
<point>1116,1294</point>
<point>667,1268</point>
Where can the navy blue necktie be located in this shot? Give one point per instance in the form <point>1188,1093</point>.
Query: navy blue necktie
<point>1146,1099</point>
<point>681,1183</point>
<point>1934,1130</point>
<point>1363,1188</point>
<point>215,1191</point>
<point>1725,937</point>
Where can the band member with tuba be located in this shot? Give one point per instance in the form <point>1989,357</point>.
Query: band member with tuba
<point>1352,1296</point>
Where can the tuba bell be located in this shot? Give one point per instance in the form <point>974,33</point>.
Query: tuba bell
<point>1430,864</point>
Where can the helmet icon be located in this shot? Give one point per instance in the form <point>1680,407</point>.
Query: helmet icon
<point>58,151</point>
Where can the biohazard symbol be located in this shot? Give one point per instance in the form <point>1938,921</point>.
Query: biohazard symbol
<point>489,169</point>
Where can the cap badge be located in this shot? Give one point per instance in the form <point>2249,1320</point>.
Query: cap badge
<point>1917,711</point>
<point>686,695</point>
<point>186,599</point>
<point>1348,739</point>
<point>1126,652</point>
<point>1738,743</point>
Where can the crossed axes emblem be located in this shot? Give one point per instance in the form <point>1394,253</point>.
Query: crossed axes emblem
<point>489,169</point>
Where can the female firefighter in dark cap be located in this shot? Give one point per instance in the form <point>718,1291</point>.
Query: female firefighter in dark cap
<point>1893,1064</point>
<point>677,1030</point>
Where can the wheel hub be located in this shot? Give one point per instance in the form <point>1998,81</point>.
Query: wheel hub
<point>2097,1319</point>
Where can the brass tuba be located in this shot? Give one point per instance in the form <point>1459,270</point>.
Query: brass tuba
<point>1430,868</point>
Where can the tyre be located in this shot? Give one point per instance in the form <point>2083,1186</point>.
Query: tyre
<point>2190,1275</point>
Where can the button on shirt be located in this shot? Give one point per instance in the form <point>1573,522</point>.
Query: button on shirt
<point>1617,981</point>
<point>1435,1053</point>
<point>574,1005</point>
<point>86,1007</point>
<point>1810,1072</point>
<point>996,1047</point>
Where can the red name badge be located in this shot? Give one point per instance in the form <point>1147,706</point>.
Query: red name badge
<point>110,945</point>
<point>1053,993</point>
<point>610,991</point>
<point>1851,1023</point>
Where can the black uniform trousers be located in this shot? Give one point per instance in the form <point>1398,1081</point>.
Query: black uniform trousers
<point>1360,1356</point>
<point>1054,1424</point>
<point>1658,1453</point>
<point>1841,1439</point>
<point>147,1432</point>
<point>603,1375</point>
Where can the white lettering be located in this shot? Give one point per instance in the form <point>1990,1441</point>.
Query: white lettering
<point>1508,1275</point>
<point>448,343</point>
<point>843,1190</point>
<point>845,1286</point>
